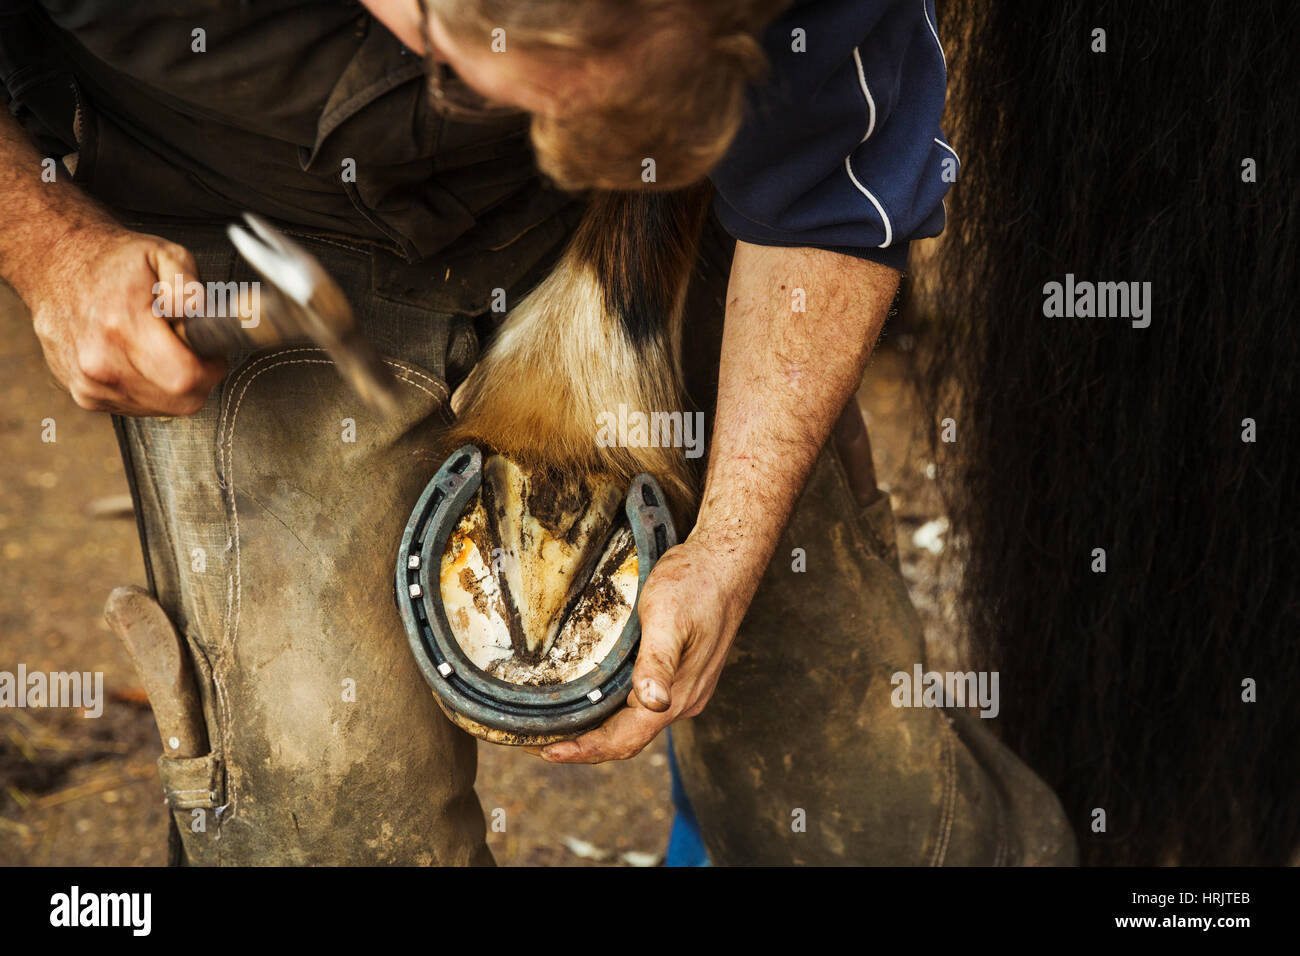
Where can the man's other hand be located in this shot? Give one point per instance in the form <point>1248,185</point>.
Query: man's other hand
<point>690,607</point>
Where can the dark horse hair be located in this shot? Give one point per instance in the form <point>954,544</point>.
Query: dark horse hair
<point>1125,689</point>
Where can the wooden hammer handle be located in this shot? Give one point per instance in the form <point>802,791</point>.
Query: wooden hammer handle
<point>212,336</point>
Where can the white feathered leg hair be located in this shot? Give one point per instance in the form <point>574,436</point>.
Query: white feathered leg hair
<point>602,330</point>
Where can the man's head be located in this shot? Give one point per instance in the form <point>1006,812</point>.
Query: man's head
<point>608,86</point>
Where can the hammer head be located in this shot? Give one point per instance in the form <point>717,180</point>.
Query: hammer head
<point>305,303</point>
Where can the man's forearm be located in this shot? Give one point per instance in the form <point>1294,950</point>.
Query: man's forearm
<point>38,216</point>
<point>783,379</point>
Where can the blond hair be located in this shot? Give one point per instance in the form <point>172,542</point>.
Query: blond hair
<point>682,67</point>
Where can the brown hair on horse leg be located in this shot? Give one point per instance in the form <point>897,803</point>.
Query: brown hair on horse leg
<point>602,330</point>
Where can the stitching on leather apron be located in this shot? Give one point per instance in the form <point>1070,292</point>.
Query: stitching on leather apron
<point>948,812</point>
<point>225,444</point>
<point>1000,858</point>
<point>1003,816</point>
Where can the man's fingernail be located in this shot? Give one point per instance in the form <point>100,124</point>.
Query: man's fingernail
<point>652,692</point>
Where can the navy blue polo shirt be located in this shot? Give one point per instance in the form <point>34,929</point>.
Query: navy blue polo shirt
<point>841,148</point>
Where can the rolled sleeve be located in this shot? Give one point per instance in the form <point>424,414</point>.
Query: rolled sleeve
<point>842,147</point>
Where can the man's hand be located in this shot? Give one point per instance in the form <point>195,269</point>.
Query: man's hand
<point>88,282</point>
<point>690,609</point>
<point>785,376</point>
<point>93,311</point>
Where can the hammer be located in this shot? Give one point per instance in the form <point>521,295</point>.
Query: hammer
<point>301,302</point>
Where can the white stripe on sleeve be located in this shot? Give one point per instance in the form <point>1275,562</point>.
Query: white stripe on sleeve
<point>889,230</point>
